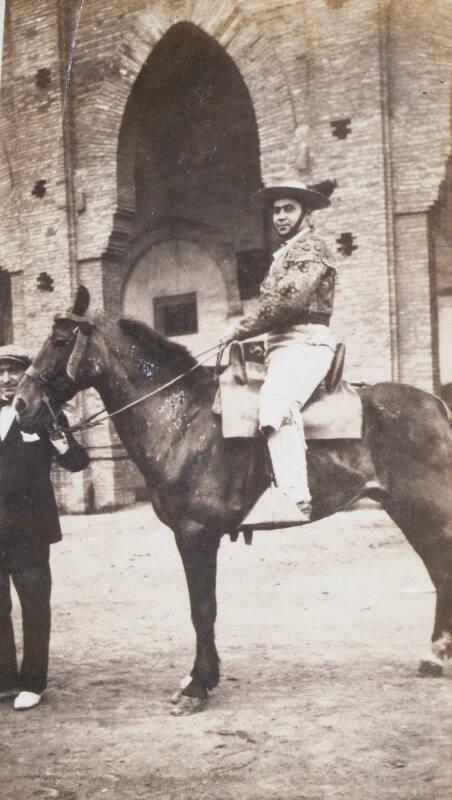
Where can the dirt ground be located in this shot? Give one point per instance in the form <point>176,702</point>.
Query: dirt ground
<point>319,630</point>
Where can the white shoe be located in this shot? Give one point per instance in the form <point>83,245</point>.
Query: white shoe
<point>26,700</point>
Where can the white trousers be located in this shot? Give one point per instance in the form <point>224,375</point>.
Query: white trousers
<point>294,372</point>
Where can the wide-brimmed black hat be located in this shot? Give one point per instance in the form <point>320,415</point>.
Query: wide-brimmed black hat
<point>15,353</point>
<point>314,197</point>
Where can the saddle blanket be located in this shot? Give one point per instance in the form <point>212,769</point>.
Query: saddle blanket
<point>325,416</point>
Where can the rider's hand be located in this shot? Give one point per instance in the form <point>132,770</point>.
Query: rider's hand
<point>228,336</point>
<point>60,443</point>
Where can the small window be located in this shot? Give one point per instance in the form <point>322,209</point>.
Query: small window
<point>176,315</point>
<point>346,244</point>
<point>341,128</point>
<point>251,268</point>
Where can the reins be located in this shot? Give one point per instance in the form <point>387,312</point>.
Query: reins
<point>91,421</point>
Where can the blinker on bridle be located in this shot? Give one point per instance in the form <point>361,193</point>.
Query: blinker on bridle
<point>41,378</point>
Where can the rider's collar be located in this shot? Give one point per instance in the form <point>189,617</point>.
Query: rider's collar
<point>301,234</point>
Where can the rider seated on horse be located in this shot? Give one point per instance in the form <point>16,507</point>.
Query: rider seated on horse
<point>294,310</point>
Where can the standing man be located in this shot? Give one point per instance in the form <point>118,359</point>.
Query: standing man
<point>29,524</point>
<point>294,310</point>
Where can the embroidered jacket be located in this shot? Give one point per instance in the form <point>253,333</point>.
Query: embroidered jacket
<point>300,281</point>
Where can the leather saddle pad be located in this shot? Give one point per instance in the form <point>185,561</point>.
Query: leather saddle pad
<point>325,416</point>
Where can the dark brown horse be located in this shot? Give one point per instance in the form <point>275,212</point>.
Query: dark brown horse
<point>202,485</point>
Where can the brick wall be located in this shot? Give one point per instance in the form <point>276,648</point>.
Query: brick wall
<point>419,59</point>
<point>37,153</point>
<point>413,296</point>
<point>35,189</point>
<point>342,48</point>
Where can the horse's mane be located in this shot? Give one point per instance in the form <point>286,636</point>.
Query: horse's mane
<point>157,346</point>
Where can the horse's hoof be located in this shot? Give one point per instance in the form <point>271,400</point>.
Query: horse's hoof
<point>188,705</point>
<point>442,648</point>
<point>183,683</point>
<point>430,666</point>
<point>175,697</point>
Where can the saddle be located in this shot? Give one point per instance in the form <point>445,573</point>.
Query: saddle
<point>334,411</point>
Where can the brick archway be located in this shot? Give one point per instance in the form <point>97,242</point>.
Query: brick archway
<point>258,64</point>
<point>254,56</point>
<point>189,154</point>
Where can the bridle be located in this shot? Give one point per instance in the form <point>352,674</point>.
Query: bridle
<point>81,332</point>
<point>42,378</point>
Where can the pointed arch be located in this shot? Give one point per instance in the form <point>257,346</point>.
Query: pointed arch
<point>188,161</point>
<point>254,56</point>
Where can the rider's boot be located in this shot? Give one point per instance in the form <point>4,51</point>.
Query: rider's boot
<point>287,450</point>
<point>305,508</point>
<point>287,503</point>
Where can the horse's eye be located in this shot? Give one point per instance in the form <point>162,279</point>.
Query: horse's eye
<point>59,342</point>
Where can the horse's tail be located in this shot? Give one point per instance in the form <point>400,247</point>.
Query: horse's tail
<point>444,408</point>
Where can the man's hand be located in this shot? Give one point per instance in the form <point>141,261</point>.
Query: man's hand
<point>228,336</point>
<point>60,442</point>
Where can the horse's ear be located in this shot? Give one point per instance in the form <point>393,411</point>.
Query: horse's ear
<point>81,301</point>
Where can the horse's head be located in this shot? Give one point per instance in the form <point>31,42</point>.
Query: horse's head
<point>62,367</point>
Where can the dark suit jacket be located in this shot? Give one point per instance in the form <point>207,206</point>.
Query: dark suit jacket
<point>28,510</point>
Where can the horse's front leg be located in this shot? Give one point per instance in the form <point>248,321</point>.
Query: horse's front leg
<point>198,549</point>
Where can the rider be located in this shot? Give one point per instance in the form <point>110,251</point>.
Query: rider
<point>294,310</point>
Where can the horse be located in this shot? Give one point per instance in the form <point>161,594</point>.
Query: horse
<point>202,485</point>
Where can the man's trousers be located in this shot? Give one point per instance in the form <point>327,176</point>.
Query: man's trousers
<point>27,566</point>
<point>294,372</point>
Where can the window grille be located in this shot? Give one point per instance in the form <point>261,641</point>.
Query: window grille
<point>176,315</point>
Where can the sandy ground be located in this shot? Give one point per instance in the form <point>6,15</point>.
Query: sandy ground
<point>319,631</point>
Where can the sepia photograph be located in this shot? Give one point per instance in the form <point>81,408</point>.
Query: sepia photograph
<point>225,399</point>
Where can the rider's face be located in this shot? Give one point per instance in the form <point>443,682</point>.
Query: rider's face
<point>10,375</point>
<point>287,214</point>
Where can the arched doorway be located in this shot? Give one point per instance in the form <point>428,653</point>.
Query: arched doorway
<point>441,265</point>
<point>190,134</point>
<point>186,296</point>
<point>6,321</point>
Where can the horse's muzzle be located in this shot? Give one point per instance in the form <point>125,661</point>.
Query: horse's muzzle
<point>20,405</point>
<point>31,420</point>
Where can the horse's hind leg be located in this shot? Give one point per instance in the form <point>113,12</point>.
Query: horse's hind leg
<point>439,567</point>
<point>198,550</point>
<point>410,441</point>
<point>432,540</point>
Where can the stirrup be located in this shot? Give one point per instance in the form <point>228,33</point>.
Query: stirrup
<point>273,510</point>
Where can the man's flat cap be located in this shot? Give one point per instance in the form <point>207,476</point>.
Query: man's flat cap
<point>14,353</point>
